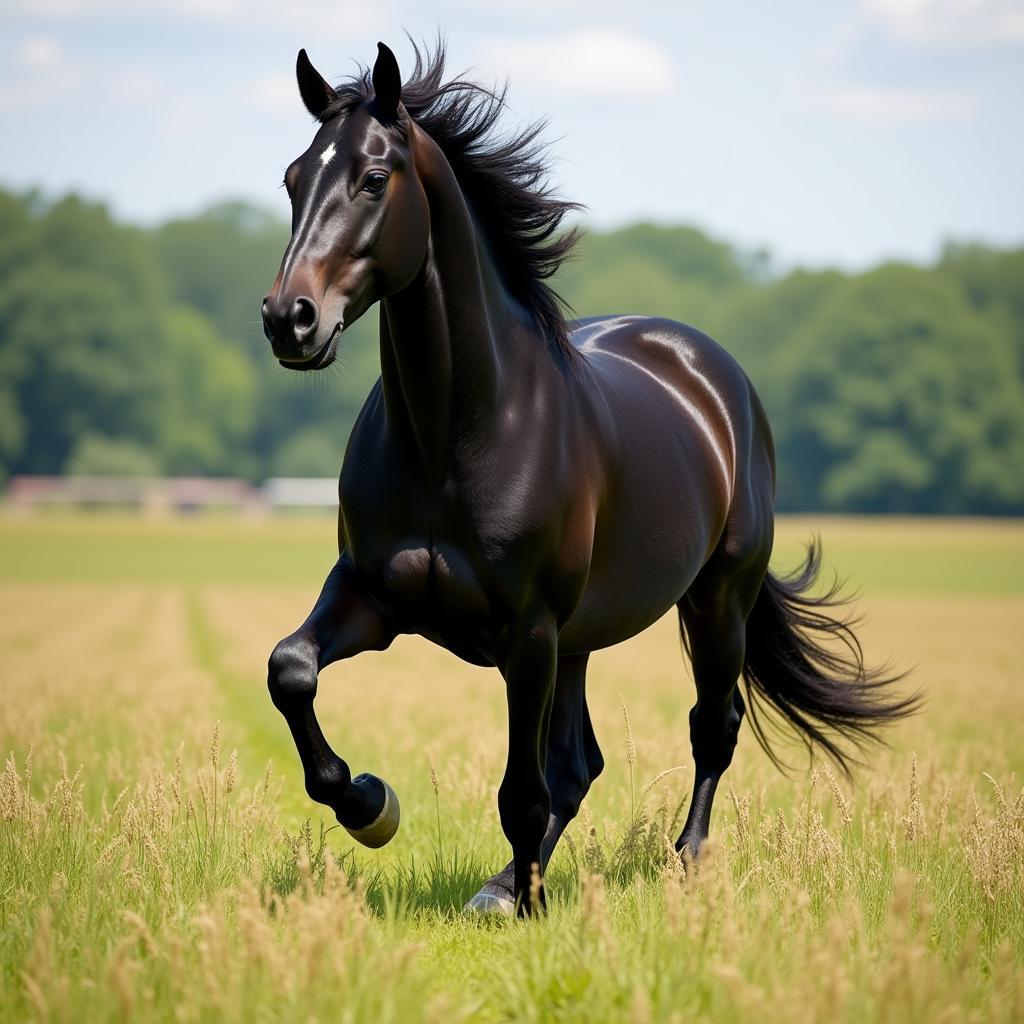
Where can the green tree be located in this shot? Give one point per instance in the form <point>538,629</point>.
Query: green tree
<point>93,347</point>
<point>311,452</point>
<point>901,389</point>
<point>900,398</point>
<point>207,402</point>
<point>222,263</point>
<point>95,455</point>
<point>993,281</point>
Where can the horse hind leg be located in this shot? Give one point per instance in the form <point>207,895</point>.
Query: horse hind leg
<point>572,762</point>
<point>713,617</point>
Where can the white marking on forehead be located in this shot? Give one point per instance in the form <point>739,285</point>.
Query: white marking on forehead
<point>327,155</point>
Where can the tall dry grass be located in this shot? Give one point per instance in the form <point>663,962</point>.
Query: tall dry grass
<point>152,867</point>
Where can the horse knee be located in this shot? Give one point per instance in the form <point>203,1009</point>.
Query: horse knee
<point>292,672</point>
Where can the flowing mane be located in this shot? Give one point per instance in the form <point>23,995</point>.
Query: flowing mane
<point>504,178</point>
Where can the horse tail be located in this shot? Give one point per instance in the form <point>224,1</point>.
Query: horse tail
<point>804,660</point>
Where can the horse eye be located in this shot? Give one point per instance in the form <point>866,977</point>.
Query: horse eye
<point>375,182</point>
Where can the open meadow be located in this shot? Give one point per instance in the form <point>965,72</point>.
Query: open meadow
<point>159,858</point>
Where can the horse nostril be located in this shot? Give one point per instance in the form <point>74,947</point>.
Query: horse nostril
<point>268,325</point>
<point>305,317</point>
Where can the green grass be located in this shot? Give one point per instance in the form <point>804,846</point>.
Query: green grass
<point>885,556</point>
<point>114,549</point>
<point>167,879</point>
<point>964,557</point>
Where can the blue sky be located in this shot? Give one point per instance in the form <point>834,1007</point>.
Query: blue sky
<point>831,133</point>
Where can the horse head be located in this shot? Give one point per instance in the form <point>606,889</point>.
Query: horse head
<point>359,216</point>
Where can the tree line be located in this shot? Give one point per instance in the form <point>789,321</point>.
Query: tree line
<point>133,351</point>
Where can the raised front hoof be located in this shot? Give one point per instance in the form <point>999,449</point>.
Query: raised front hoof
<point>383,800</point>
<point>490,902</point>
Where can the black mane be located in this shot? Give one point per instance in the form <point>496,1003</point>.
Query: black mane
<point>503,177</point>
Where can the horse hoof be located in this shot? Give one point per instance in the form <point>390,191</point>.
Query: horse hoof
<point>382,829</point>
<point>490,903</point>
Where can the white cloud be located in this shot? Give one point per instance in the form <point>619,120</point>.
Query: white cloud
<point>39,52</point>
<point>950,22</point>
<point>861,103</point>
<point>46,73</point>
<point>275,92</point>
<point>909,24</point>
<point>336,20</point>
<point>590,62</point>
<point>42,72</point>
<point>537,8</point>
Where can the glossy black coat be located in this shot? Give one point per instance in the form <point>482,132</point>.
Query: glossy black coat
<point>523,502</point>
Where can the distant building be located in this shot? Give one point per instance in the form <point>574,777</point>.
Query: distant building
<point>170,494</point>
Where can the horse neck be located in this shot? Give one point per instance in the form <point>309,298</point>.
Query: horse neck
<point>451,338</point>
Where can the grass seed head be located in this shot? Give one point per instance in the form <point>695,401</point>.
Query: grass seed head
<point>630,745</point>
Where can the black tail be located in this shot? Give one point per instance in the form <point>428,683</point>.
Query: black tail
<point>807,663</point>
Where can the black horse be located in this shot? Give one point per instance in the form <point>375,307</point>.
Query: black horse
<point>524,490</point>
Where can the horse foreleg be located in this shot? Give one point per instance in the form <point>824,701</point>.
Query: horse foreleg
<point>573,762</point>
<point>342,624</point>
<point>524,800</point>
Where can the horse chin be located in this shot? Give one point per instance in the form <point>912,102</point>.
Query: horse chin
<point>320,359</point>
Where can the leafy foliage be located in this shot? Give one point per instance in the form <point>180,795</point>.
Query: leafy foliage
<point>897,390</point>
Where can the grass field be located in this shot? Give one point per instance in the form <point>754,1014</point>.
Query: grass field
<point>152,865</point>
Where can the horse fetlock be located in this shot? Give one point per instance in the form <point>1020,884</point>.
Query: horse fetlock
<point>328,783</point>
<point>530,897</point>
<point>688,849</point>
<point>524,821</point>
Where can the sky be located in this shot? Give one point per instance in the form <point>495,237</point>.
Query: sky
<point>830,133</point>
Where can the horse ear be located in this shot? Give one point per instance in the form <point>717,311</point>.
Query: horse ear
<point>387,84</point>
<point>316,92</point>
